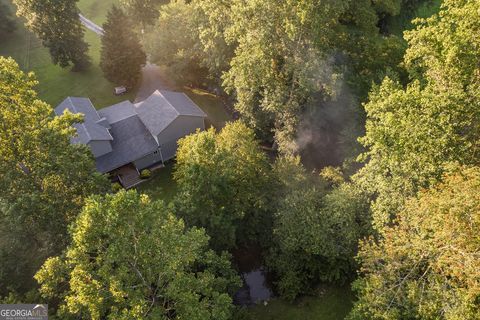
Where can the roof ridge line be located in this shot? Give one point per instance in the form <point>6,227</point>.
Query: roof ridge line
<point>86,131</point>
<point>196,105</point>
<point>71,103</point>
<point>178,113</point>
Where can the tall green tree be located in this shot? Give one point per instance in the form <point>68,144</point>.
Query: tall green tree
<point>143,12</point>
<point>223,184</point>
<point>7,21</point>
<point>278,59</point>
<point>281,59</point>
<point>122,56</point>
<point>414,133</point>
<point>57,24</point>
<point>186,40</point>
<point>427,266</point>
<point>43,178</point>
<point>131,258</point>
<point>316,228</point>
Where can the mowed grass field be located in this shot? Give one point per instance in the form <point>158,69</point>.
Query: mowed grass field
<point>56,83</point>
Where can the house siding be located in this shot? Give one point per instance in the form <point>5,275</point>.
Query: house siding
<point>179,128</point>
<point>147,161</point>
<point>100,147</point>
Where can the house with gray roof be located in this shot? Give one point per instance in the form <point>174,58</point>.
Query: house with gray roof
<point>127,137</point>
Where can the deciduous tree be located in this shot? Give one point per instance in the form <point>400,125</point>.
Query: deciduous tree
<point>427,265</point>
<point>223,184</point>
<point>57,24</point>
<point>278,59</point>
<point>189,38</point>
<point>413,133</point>
<point>131,258</point>
<point>143,11</point>
<point>43,178</point>
<point>315,230</point>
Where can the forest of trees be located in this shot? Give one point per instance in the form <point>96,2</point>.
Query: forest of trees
<point>394,210</point>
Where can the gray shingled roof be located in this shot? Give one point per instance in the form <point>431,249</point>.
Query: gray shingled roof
<point>162,107</point>
<point>183,104</point>
<point>119,111</point>
<point>132,141</point>
<point>133,127</point>
<point>89,129</point>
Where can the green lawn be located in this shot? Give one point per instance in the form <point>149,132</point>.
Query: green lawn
<point>211,105</point>
<point>161,185</point>
<point>57,83</point>
<point>332,304</point>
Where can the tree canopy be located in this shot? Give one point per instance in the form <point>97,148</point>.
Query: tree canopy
<point>131,258</point>
<point>413,133</point>
<point>43,178</point>
<point>223,183</point>
<point>316,228</point>
<point>143,11</point>
<point>277,59</point>
<point>427,265</point>
<point>57,24</point>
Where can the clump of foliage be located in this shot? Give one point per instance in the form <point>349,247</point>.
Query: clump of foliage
<point>44,179</point>
<point>316,229</point>
<point>57,24</point>
<point>122,56</point>
<point>145,174</point>
<point>130,258</point>
<point>414,133</point>
<point>143,11</point>
<point>223,184</point>
<point>276,58</point>
<point>116,186</point>
<point>427,265</point>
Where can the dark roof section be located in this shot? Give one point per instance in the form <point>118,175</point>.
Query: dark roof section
<point>88,130</point>
<point>132,141</point>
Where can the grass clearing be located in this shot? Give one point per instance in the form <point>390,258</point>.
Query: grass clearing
<point>56,83</point>
<point>161,185</point>
<point>334,304</point>
<point>212,105</point>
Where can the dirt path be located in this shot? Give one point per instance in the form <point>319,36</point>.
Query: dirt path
<point>152,79</point>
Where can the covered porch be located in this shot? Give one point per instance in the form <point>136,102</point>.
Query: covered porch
<point>128,176</point>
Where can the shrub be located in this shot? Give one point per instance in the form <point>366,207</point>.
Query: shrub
<point>145,174</point>
<point>116,187</point>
